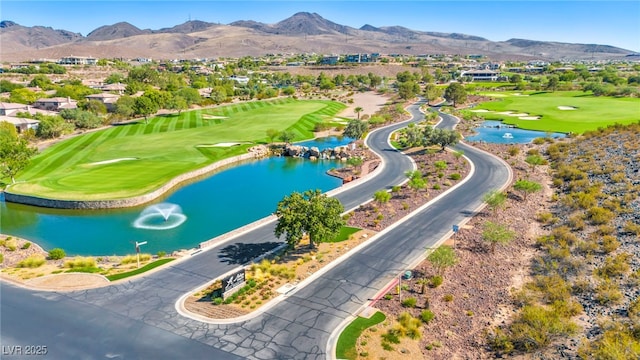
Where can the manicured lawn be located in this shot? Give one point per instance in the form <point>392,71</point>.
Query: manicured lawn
<point>149,155</point>
<point>344,234</point>
<point>590,112</point>
<point>346,347</point>
<point>145,268</point>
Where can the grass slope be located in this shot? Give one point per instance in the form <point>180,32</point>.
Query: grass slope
<point>346,346</point>
<point>591,112</point>
<point>162,149</point>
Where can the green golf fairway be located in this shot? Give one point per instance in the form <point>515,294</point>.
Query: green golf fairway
<point>135,159</point>
<point>589,112</point>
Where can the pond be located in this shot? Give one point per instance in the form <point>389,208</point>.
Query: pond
<point>191,214</point>
<point>326,142</point>
<point>497,132</point>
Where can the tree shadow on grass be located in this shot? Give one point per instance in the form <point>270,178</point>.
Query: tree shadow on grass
<point>241,253</point>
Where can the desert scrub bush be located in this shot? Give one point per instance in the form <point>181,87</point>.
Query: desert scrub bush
<point>544,217</point>
<point>10,244</point>
<point>436,281</point>
<point>535,327</point>
<point>56,254</point>
<point>426,316</point>
<point>599,216</point>
<point>455,176</point>
<point>632,228</point>
<point>80,262</point>
<point>1,258</point>
<point>564,234</point>
<point>609,244</point>
<point>614,266</point>
<point>550,288</point>
<point>513,150</point>
<point>408,326</point>
<point>26,245</point>
<point>409,302</point>
<point>31,262</point>
<point>587,247</point>
<point>576,222</point>
<point>130,259</point>
<point>608,292</point>
<point>440,164</point>
<point>447,298</point>
<point>618,341</point>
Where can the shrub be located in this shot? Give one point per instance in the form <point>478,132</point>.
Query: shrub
<point>80,262</point>
<point>536,327</point>
<point>632,227</point>
<point>26,245</point>
<point>218,301</point>
<point>599,216</point>
<point>1,258</point>
<point>513,150</point>
<point>436,281</point>
<point>609,244</point>
<point>455,176</point>
<point>409,302</point>
<point>31,262</point>
<point>608,293</point>
<point>56,254</point>
<point>616,266</point>
<point>388,297</point>
<point>426,316</point>
<point>390,337</point>
<point>161,254</point>
<point>440,164</point>
<point>448,298</point>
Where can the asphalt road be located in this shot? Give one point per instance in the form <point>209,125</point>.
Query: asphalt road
<point>137,319</point>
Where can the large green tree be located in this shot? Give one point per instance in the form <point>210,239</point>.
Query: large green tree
<point>311,213</point>
<point>355,129</point>
<point>144,106</point>
<point>455,93</point>
<point>432,92</point>
<point>15,152</point>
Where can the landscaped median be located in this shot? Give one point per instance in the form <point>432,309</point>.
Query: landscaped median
<point>24,262</point>
<point>138,159</point>
<point>280,273</point>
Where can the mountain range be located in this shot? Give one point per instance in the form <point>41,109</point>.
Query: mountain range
<point>301,33</point>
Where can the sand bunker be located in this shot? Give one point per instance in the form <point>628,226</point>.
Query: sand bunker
<point>111,161</point>
<point>223,144</point>
<point>529,117</point>
<point>561,107</point>
<point>206,116</point>
<point>480,110</point>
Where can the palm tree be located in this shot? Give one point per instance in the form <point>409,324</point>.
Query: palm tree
<point>358,110</point>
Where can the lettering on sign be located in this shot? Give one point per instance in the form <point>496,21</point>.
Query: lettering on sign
<point>233,281</point>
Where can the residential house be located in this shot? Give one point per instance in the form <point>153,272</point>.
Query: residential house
<point>115,88</point>
<point>55,103</point>
<point>481,75</point>
<point>21,124</point>
<point>109,100</point>
<point>78,60</point>
<point>11,109</point>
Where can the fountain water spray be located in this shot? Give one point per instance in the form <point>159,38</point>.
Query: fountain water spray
<point>161,216</point>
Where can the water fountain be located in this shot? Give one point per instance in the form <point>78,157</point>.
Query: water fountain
<point>161,216</point>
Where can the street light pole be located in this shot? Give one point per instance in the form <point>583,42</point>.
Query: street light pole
<point>138,251</point>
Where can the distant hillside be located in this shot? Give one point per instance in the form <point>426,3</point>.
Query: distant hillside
<point>301,33</point>
<point>16,37</point>
<point>115,31</point>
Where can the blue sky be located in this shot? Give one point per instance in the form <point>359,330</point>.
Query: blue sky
<point>614,23</point>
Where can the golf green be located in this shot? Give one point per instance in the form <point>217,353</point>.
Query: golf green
<point>135,159</point>
<point>568,112</point>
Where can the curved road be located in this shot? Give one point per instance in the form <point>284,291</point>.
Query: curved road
<point>137,318</point>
